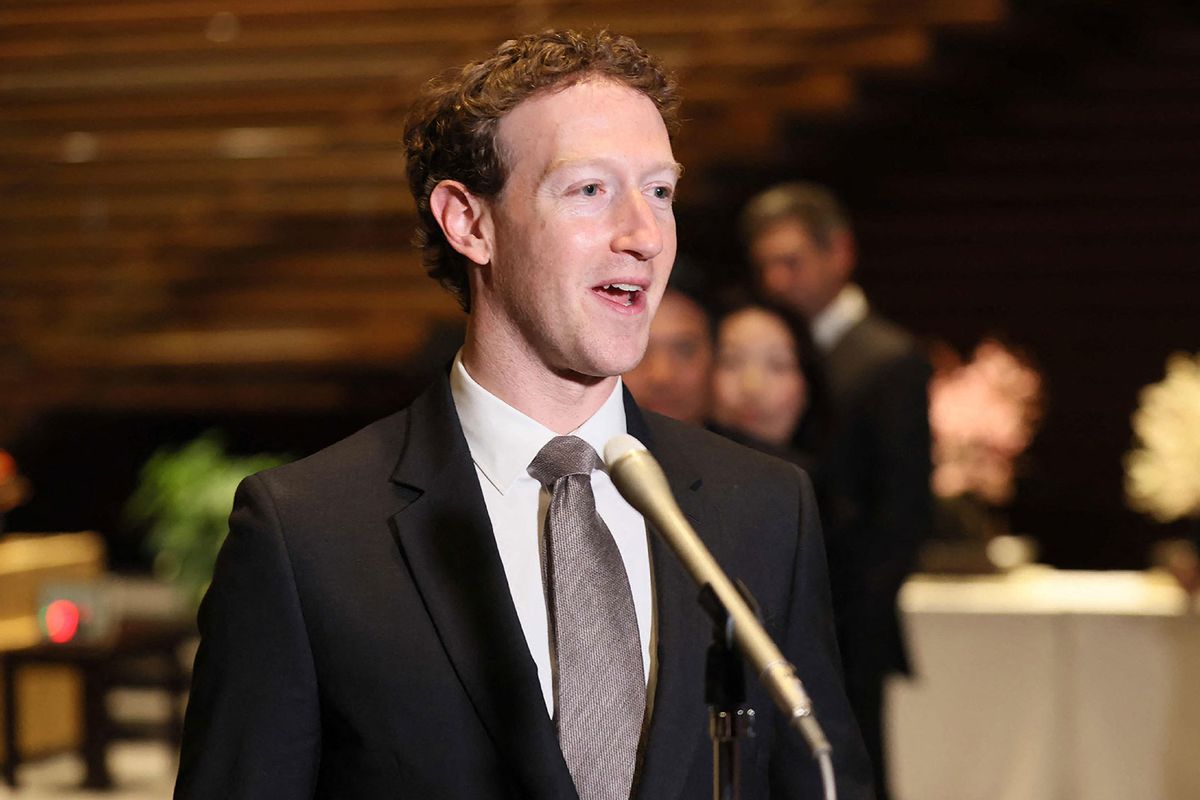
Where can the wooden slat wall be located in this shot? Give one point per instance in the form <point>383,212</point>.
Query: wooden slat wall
<point>161,163</point>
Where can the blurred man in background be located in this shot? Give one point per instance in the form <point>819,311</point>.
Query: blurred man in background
<point>874,487</point>
<point>675,376</point>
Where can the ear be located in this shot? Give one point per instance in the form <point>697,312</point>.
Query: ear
<point>844,252</point>
<point>465,220</point>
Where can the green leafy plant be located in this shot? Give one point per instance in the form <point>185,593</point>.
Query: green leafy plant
<point>184,496</point>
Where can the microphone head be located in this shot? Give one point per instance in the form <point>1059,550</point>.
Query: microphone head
<point>620,446</point>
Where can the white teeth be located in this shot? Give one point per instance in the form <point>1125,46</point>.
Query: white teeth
<point>630,290</point>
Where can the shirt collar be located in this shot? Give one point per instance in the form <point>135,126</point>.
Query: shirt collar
<point>503,441</point>
<point>847,310</point>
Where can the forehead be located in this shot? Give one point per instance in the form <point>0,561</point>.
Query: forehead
<point>595,118</point>
<point>757,326</point>
<point>784,235</point>
<point>678,312</point>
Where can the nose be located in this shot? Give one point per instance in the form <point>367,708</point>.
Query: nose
<point>776,278</point>
<point>638,228</point>
<point>753,379</point>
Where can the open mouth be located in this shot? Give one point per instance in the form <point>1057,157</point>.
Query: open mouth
<point>622,294</point>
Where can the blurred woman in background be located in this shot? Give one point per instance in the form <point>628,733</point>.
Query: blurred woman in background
<point>767,390</point>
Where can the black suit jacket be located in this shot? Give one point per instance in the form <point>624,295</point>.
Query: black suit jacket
<point>359,639</point>
<point>874,487</point>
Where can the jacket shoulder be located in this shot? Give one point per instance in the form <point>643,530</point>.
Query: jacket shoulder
<point>873,355</point>
<point>356,467</point>
<point>375,444</point>
<point>883,340</point>
<point>713,456</point>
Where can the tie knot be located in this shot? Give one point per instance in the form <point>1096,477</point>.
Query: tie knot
<point>562,456</point>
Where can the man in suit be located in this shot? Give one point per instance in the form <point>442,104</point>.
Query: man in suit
<point>378,626</point>
<point>873,472</point>
<point>674,378</point>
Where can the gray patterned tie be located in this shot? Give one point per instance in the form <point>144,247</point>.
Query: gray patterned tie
<point>600,689</point>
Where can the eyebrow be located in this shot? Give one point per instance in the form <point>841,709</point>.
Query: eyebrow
<point>558,164</point>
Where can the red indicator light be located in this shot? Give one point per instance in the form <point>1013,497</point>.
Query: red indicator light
<point>62,621</point>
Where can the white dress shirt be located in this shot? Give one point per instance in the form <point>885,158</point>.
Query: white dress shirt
<point>845,311</point>
<point>503,442</point>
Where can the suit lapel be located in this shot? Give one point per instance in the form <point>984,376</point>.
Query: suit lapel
<point>679,715</point>
<point>446,536</point>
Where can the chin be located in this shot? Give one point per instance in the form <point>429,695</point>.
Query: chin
<point>617,359</point>
<point>627,363</point>
<point>610,365</point>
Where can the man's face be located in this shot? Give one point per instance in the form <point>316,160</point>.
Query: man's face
<point>583,233</point>
<point>674,377</point>
<point>794,270</point>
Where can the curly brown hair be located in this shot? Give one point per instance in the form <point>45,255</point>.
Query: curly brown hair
<point>450,134</point>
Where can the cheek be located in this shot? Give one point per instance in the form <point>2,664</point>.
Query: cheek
<point>724,388</point>
<point>788,398</point>
<point>696,373</point>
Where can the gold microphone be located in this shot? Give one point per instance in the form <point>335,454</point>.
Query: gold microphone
<point>641,481</point>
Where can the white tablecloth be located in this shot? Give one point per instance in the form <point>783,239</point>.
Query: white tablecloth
<point>1046,685</point>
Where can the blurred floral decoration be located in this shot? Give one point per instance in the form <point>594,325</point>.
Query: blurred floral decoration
<point>1162,472</point>
<point>184,497</point>
<point>983,415</point>
<point>14,488</point>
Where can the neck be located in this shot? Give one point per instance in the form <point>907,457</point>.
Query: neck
<point>562,401</point>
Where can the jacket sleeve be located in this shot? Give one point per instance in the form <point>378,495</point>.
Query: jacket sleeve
<point>810,644</point>
<point>252,728</point>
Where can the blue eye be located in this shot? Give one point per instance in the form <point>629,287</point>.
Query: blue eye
<point>662,192</point>
<point>591,190</point>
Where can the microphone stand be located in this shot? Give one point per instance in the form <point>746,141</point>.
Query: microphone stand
<point>725,692</point>
<point>641,481</point>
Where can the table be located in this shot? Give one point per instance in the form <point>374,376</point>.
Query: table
<point>138,653</point>
<point>1047,685</point>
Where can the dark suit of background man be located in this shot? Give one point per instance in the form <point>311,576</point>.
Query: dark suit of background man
<point>873,476</point>
<point>377,627</point>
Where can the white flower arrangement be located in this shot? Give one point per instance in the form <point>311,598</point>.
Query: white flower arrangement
<point>1162,472</point>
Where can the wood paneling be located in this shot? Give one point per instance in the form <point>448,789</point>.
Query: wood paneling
<point>163,164</point>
